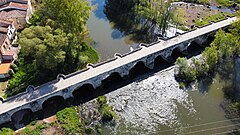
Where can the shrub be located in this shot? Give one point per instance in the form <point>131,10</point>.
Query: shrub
<point>102,100</point>
<point>89,130</point>
<point>14,67</point>
<point>69,120</point>
<point>6,131</point>
<point>98,128</point>
<point>181,85</point>
<point>107,113</point>
<point>11,73</point>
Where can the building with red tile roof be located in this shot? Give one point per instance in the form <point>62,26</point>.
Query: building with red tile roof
<point>14,14</point>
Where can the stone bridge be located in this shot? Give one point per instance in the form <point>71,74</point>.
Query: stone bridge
<point>65,86</point>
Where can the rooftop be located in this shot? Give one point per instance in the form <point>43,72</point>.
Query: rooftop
<point>12,14</point>
<point>2,38</point>
<point>5,23</point>
<point>4,68</point>
<point>14,5</point>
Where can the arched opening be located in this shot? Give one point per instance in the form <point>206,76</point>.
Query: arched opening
<point>176,53</point>
<point>209,40</point>
<point>52,105</point>
<point>83,93</point>
<point>112,80</point>
<point>138,69</point>
<point>194,49</point>
<point>160,63</point>
<point>22,117</point>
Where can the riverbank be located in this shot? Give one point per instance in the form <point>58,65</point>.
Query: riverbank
<point>156,105</point>
<point>87,118</point>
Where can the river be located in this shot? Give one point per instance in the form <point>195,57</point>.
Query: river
<point>106,40</point>
<point>156,105</point>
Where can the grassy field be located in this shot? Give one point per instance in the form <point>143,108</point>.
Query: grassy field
<point>215,18</point>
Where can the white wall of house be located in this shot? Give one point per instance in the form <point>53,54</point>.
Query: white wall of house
<point>11,31</point>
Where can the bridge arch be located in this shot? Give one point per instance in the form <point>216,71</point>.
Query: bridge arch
<point>83,93</point>
<point>160,62</point>
<point>22,117</point>
<point>111,79</point>
<point>54,101</point>
<point>194,48</point>
<point>176,53</point>
<point>137,69</point>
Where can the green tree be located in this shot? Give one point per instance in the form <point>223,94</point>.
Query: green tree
<point>186,71</point>
<point>201,67</point>
<point>226,44</point>
<point>211,56</point>
<point>44,45</point>
<point>156,12</point>
<point>179,16</point>
<point>70,15</point>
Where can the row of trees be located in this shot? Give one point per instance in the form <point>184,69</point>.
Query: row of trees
<point>224,48</point>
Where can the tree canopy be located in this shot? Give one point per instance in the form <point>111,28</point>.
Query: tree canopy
<point>158,12</point>
<point>69,15</point>
<point>45,45</point>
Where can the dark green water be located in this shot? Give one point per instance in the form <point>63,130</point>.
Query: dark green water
<point>156,105</point>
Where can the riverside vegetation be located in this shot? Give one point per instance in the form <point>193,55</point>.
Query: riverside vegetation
<point>220,55</point>
<point>71,121</point>
<point>55,42</point>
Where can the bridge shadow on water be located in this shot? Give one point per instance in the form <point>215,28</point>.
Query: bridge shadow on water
<point>113,82</point>
<point>138,73</point>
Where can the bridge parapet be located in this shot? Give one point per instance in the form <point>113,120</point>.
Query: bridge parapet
<point>93,74</point>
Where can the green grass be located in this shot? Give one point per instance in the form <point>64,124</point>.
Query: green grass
<point>227,3</point>
<point>6,131</point>
<point>183,28</point>
<point>69,120</point>
<point>216,17</point>
<point>34,129</point>
<point>91,53</point>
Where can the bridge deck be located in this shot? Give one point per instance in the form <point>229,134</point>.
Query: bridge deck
<point>62,84</point>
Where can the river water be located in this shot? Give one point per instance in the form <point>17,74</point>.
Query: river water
<point>106,40</point>
<point>156,105</point>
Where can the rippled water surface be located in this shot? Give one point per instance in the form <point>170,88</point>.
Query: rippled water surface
<point>156,105</point>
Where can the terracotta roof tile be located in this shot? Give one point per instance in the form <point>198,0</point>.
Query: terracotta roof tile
<point>14,5</point>
<point>3,30</point>
<point>5,23</point>
<point>12,14</point>
<point>2,38</point>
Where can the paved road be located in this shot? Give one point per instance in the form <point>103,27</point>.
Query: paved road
<point>62,84</point>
